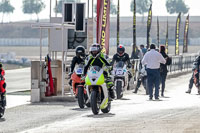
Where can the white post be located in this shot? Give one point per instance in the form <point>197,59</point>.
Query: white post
<point>50,11</point>
<point>40,58</point>
<point>49,42</point>
<point>62,60</point>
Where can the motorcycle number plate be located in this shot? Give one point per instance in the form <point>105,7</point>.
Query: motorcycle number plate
<point>79,70</point>
<point>119,72</point>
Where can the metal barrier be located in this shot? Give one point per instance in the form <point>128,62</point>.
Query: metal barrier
<point>181,63</point>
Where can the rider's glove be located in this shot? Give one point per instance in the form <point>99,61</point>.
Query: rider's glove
<point>129,66</point>
<point>83,78</point>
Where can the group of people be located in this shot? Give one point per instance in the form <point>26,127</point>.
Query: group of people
<point>154,61</point>
<point>97,58</point>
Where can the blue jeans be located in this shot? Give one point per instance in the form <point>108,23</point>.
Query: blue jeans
<point>153,79</point>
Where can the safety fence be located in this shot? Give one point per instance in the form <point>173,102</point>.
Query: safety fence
<point>179,63</point>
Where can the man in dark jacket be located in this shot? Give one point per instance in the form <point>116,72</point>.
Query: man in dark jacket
<point>78,59</point>
<point>163,69</point>
<point>122,56</point>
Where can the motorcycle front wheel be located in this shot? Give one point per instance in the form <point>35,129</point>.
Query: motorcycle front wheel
<point>81,99</point>
<point>119,89</point>
<point>95,105</point>
<point>2,110</point>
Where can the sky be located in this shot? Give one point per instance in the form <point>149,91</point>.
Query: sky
<point>158,9</point>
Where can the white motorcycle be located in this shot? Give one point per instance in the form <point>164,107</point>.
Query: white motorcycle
<point>121,80</point>
<point>99,97</point>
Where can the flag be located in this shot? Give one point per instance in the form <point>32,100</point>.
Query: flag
<point>158,34</point>
<point>178,22</point>
<point>134,26</point>
<point>103,24</point>
<point>185,43</point>
<point>166,42</point>
<point>118,24</point>
<point>50,87</point>
<point>149,25</point>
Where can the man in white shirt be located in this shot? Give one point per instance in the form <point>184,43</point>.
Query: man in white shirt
<point>152,60</point>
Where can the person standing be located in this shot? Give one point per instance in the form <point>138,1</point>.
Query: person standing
<point>137,54</point>
<point>163,69</point>
<point>143,49</point>
<point>152,60</point>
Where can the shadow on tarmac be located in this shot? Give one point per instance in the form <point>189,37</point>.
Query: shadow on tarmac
<point>123,99</point>
<point>2,119</point>
<point>79,109</point>
<point>102,115</point>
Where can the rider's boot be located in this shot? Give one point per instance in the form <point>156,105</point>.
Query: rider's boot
<point>111,93</point>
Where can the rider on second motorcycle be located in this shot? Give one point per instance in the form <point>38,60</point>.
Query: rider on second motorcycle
<point>121,55</point>
<point>78,59</point>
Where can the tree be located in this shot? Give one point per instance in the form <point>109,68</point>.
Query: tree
<point>6,8</point>
<point>176,6</point>
<point>113,8</point>
<point>142,6</point>
<point>33,6</point>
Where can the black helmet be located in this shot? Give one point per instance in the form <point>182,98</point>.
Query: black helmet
<point>95,49</point>
<point>80,51</point>
<point>1,65</point>
<point>120,50</point>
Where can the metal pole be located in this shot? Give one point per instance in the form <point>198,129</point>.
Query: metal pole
<point>50,10</point>
<point>88,8</point>
<point>49,43</point>
<point>40,59</point>
<point>56,7</point>
<point>92,8</point>
<point>62,60</point>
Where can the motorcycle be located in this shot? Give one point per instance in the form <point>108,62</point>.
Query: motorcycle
<point>121,80</point>
<point>78,86</point>
<point>95,82</point>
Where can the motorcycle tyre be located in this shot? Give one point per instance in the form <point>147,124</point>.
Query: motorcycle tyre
<point>94,103</point>
<point>81,99</point>
<point>2,110</point>
<point>119,89</point>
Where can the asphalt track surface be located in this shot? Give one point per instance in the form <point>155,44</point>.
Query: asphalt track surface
<point>176,112</point>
